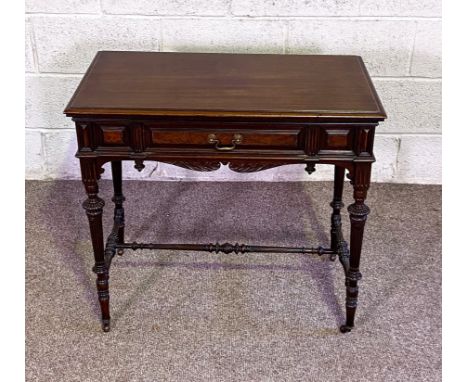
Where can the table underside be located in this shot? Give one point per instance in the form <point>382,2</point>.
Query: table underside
<point>203,144</point>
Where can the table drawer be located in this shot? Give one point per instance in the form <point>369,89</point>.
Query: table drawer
<point>227,139</point>
<point>230,137</point>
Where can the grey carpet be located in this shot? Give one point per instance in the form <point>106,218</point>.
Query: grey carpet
<point>256,317</point>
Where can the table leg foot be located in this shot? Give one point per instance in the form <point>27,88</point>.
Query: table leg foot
<point>105,326</point>
<point>345,328</point>
<point>120,252</point>
<point>102,284</point>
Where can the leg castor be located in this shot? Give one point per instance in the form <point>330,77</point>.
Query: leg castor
<point>105,326</point>
<point>345,328</point>
<point>120,252</point>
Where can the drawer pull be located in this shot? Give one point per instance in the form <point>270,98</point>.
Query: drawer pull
<point>235,141</point>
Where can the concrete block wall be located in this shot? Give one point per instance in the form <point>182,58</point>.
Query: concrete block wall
<point>400,41</point>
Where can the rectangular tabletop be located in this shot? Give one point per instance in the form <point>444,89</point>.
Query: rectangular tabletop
<point>211,84</point>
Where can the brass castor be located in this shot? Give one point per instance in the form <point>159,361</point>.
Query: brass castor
<point>120,251</point>
<point>106,326</point>
<point>345,328</point>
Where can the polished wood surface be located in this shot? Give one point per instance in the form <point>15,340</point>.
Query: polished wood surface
<point>249,112</point>
<point>243,85</point>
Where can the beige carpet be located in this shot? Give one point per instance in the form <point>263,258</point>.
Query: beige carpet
<point>255,317</point>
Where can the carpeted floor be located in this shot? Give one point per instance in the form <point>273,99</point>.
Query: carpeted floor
<point>254,317</point>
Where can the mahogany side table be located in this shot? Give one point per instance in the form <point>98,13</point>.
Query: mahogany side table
<point>249,111</point>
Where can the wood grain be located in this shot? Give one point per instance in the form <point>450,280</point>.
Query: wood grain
<point>242,85</point>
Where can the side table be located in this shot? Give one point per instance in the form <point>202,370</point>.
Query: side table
<point>250,112</point>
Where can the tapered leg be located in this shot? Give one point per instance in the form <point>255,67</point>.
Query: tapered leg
<point>94,206</point>
<point>358,211</point>
<point>336,204</point>
<point>118,199</point>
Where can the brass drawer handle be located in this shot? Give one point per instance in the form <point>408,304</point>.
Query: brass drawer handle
<point>235,141</point>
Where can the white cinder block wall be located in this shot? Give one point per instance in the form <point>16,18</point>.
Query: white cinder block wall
<point>400,42</point>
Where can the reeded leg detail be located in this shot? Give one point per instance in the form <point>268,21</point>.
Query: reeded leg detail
<point>358,212</point>
<point>118,199</point>
<point>93,206</point>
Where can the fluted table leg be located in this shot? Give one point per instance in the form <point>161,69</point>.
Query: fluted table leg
<point>93,206</point>
<point>358,211</point>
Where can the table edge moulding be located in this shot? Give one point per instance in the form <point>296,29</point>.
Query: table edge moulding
<point>249,111</point>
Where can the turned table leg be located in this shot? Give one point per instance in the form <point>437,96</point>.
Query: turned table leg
<point>118,199</point>
<point>94,206</point>
<point>358,211</point>
<point>336,204</point>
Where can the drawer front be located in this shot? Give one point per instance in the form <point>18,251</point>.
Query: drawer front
<point>138,137</point>
<point>235,137</point>
<point>227,139</point>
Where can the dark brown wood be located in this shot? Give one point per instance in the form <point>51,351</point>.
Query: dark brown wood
<point>250,112</point>
<point>358,211</point>
<point>288,139</point>
<point>337,205</point>
<point>118,200</point>
<point>93,205</point>
<point>189,84</point>
<point>228,248</point>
